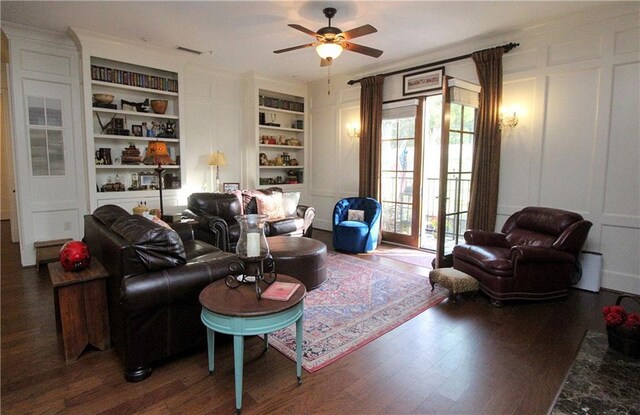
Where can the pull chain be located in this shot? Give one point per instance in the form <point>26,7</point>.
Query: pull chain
<point>329,79</point>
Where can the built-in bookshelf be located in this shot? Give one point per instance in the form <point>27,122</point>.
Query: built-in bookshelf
<point>281,139</point>
<point>133,116</point>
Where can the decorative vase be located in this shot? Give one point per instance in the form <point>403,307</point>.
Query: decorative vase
<point>159,106</point>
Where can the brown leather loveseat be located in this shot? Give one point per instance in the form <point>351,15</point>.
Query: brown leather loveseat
<point>532,258</point>
<point>155,277</point>
<point>215,214</point>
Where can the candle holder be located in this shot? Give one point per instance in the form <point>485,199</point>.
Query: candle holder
<point>253,252</point>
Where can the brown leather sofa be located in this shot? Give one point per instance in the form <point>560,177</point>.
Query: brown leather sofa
<point>215,214</point>
<point>532,258</point>
<point>155,277</point>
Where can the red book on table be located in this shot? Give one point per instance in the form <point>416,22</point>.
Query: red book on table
<point>280,291</point>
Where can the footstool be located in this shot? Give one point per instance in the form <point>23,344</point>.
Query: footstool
<point>454,280</point>
<point>302,258</point>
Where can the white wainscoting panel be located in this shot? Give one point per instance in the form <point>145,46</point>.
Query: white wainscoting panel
<point>621,268</point>
<point>627,41</point>
<point>515,157</point>
<point>569,134</point>
<point>347,178</point>
<point>575,50</point>
<point>324,150</point>
<point>622,195</point>
<point>45,63</point>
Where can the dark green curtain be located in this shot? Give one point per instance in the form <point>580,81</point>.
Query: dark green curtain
<point>370,135</point>
<point>483,204</point>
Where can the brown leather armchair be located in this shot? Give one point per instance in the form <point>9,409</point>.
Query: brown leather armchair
<point>532,258</point>
<point>155,277</point>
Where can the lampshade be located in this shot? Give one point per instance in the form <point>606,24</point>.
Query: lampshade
<point>157,152</point>
<point>329,50</point>
<point>217,159</point>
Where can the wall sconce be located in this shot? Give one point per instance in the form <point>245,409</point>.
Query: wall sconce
<point>353,130</point>
<point>508,121</point>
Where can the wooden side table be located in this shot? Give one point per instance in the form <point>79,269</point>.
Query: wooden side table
<point>239,312</point>
<point>81,307</point>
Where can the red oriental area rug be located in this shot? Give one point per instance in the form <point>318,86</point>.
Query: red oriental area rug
<point>360,301</point>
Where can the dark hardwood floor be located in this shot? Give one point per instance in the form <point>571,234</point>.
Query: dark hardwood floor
<point>455,358</point>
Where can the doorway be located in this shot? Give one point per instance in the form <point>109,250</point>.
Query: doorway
<point>427,140</point>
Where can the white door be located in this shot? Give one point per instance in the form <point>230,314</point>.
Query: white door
<point>48,145</point>
<point>45,165</point>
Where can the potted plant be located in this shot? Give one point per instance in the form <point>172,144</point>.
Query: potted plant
<point>623,328</point>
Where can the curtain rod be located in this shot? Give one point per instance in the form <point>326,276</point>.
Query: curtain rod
<point>507,47</point>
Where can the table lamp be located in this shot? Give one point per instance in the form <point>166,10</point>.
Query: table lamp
<point>217,159</point>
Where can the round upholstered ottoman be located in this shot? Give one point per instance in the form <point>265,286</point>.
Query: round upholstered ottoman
<point>300,257</point>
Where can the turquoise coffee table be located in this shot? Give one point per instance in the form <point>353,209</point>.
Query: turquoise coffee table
<point>239,312</point>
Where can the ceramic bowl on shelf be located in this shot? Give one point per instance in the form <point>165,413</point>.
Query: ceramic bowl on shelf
<point>159,106</point>
<point>103,98</point>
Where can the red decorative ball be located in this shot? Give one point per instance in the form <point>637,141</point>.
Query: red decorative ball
<point>74,256</point>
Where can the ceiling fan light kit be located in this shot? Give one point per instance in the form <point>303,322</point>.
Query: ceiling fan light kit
<point>329,51</point>
<point>331,41</point>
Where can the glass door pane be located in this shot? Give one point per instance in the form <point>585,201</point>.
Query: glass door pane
<point>431,170</point>
<point>399,189</point>
<point>460,159</point>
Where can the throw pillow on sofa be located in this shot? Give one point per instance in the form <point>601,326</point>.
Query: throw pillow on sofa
<point>290,203</point>
<point>270,205</point>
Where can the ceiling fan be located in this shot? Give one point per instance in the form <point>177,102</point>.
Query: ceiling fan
<point>330,41</point>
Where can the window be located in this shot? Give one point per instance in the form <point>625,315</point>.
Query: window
<point>45,136</point>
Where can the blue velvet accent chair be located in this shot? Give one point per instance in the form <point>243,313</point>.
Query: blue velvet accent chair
<point>354,235</point>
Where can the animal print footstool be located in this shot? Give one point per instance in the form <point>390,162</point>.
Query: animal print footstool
<point>454,280</point>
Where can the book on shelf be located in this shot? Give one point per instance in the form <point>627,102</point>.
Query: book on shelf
<point>280,291</point>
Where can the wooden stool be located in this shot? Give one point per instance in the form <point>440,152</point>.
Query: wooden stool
<point>455,281</point>
<point>48,250</point>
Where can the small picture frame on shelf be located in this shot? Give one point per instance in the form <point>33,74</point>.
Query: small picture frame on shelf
<point>230,187</point>
<point>148,180</point>
<point>136,130</point>
<point>118,123</point>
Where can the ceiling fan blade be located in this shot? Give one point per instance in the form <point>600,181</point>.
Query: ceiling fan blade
<point>359,31</point>
<point>294,48</point>
<point>325,62</point>
<point>304,30</point>
<point>365,50</point>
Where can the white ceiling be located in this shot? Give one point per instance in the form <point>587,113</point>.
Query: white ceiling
<point>240,36</point>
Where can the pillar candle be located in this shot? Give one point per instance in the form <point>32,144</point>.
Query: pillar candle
<point>253,244</point>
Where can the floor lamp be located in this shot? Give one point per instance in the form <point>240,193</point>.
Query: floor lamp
<point>217,159</point>
<point>157,153</point>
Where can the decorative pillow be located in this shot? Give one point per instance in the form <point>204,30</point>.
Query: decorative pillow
<point>354,214</point>
<point>249,202</point>
<point>155,219</point>
<point>238,194</point>
<point>290,203</point>
<point>270,205</point>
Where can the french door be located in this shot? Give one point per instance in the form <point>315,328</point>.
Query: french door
<point>426,163</point>
<point>401,167</point>
<point>456,163</point>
